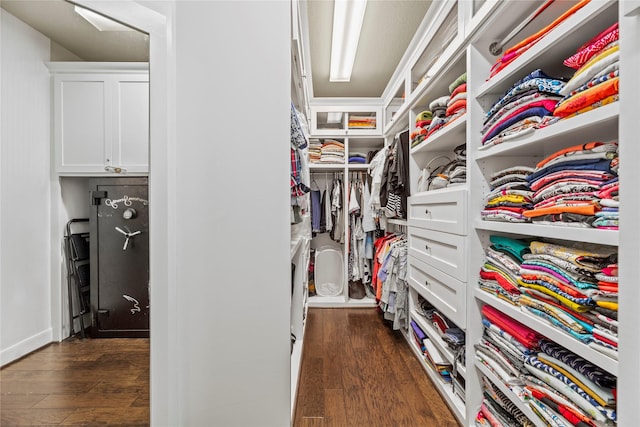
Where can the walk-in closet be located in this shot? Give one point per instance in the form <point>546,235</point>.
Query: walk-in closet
<point>515,246</point>
<point>450,203</point>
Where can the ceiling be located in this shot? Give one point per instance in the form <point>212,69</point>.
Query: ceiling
<point>57,20</point>
<point>387,30</point>
<point>389,26</point>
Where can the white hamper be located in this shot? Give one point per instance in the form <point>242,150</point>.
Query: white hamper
<point>328,268</point>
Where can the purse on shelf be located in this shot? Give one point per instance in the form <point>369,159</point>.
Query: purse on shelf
<point>432,179</point>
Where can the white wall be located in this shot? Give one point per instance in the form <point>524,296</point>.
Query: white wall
<point>25,296</point>
<point>232,217</point>
<point>70,197</point>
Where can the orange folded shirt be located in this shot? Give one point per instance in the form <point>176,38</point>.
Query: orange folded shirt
<point>588,97</point>
<point>579,209</point>
<point>525,44</point>
<point>580,147</point>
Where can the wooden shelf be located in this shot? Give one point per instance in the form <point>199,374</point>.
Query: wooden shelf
<point>326,166</point>
<point>600,124</point>
<point>559,232</point>
<point>605,362</point>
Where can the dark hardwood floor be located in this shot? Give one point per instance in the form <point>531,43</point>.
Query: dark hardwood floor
<point>78,382</point>
<point>356,371</point>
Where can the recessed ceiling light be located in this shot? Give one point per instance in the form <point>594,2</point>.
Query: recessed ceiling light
<point>347,23</point>
<point>101,23</point>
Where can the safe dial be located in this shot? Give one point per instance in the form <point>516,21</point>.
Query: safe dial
<point>129,213</point>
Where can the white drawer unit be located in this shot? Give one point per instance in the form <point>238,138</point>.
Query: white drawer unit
<point>442,210</point>
<point>444,292</point>
<point>441,250</point>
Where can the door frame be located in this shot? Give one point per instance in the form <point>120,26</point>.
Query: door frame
<point>157,22</point>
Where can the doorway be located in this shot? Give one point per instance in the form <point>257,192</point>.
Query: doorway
<point>155,19</point>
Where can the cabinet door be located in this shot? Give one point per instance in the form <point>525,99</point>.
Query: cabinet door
<point>131,123</point>
<point>81,123</point>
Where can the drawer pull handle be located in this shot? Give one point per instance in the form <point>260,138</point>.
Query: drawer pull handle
<point>426,211</point>
<point>426,283</point>
<point>426,247</point>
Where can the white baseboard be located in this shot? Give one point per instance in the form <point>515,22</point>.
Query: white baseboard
<point>26,346</point>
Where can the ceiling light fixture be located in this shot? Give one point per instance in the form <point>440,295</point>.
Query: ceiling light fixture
<point>101,23</point>
<point>347,23</point>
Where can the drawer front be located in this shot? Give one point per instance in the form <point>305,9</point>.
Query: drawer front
<point>444,292</point>
<point>443,210</point>
<point>444,251</point>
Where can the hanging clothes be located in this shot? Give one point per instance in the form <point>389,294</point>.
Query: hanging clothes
<point>390,278</point>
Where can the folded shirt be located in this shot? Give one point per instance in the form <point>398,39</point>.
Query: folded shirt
<point>591,68</point>
<point>588,97</point>
<point>592,47</point>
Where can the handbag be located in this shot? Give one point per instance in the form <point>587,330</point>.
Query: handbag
<point>432,179</point>
<point>356,289</point>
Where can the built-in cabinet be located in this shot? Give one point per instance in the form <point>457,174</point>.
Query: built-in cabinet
<point>346,120</point>
<point>100,118</point>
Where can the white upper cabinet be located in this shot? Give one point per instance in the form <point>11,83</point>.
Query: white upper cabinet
<point>101,120</point>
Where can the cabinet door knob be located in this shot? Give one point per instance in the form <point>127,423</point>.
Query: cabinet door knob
<point>114,169</point>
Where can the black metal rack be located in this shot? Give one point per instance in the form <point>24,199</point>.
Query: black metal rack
<point>78,274</point>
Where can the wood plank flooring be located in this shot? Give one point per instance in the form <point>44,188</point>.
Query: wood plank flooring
<point>357,371</point>
<point>78,382</point>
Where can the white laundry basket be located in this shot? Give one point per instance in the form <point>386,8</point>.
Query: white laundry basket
<point>329,272</point>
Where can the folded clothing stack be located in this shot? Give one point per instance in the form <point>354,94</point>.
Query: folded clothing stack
<point>360,158</point>
<point>315,150</point>
<point>567,184</point>
<point>457,104</point>
<point>362,122</point>
<point>423,121</point>
<point>457,173</point>
<point>554,382</point>
<point>596,80</point>
<point>510,195</point>
<point>525,106</point>
<point>500,274</point>
<point>438,108</point>
<point>332,152</point>
<point>608,217</point>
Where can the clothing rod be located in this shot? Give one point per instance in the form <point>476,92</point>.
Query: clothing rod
<point>496,47</point>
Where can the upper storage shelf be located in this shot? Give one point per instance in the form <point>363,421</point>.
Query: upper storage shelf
<point>561,42</point>
<point>341,120</point>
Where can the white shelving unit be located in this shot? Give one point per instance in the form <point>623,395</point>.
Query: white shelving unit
<point>600,124</point>
<point>354,142</point>
<point>452,216</point>
<point>455,211</point>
